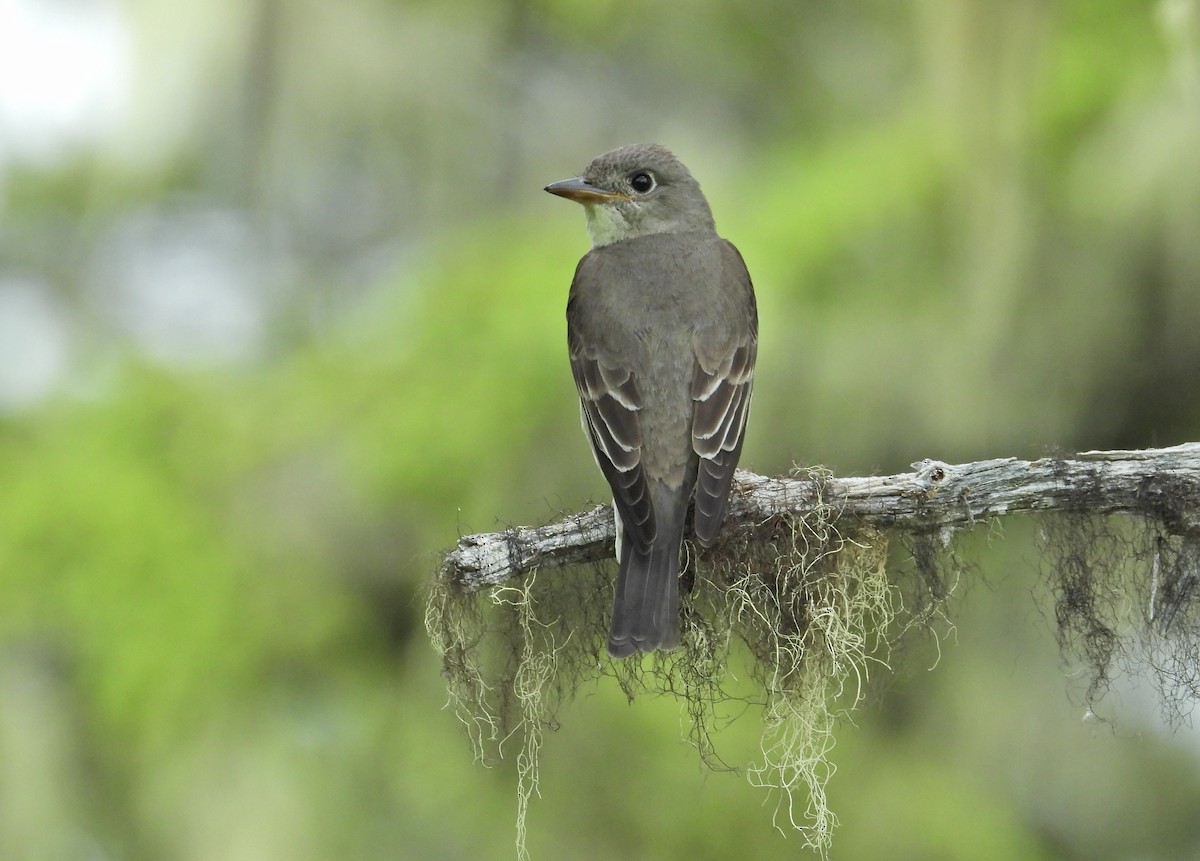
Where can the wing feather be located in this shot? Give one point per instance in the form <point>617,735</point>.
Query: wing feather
<point>610,401</point>
<point>722,386</point>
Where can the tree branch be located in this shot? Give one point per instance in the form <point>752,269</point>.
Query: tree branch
<point>1163,484</point>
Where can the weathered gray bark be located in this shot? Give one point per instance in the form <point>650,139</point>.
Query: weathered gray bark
<point>1163,484</point>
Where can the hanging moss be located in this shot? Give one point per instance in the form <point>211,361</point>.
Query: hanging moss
<point>802,601</point>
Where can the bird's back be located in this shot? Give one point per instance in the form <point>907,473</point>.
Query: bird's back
<point>643,300</point>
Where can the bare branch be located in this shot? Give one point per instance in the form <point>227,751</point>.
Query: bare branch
<point>1157,483</point>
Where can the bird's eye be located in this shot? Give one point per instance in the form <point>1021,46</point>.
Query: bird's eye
<point>641,182</point>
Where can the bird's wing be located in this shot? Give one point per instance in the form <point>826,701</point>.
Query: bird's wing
<point>610,400</point>
<point>721,390</point>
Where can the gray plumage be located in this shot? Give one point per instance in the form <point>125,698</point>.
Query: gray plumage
<point>662,331</point>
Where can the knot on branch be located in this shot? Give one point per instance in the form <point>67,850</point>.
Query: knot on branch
<point>931,474</point>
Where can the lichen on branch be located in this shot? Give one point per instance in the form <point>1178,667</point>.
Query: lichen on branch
<point>801,595</point>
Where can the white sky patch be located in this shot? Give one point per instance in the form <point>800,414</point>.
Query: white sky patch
<point>188,287</point>
<point>34,344</point>
<point>65,75</point>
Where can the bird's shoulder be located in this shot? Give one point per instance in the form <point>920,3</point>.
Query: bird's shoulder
<point>662,282</point>
<point>660,264</point>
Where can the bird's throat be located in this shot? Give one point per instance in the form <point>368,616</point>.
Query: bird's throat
<point>606,224</point>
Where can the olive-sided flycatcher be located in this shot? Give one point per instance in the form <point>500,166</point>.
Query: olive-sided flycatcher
<point>663,331</point>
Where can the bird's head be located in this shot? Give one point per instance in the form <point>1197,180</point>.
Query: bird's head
<point>634,191</point>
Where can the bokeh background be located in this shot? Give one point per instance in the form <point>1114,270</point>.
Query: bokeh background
<point>281,316</point>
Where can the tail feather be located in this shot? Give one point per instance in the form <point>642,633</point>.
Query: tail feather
<point>646,607</point>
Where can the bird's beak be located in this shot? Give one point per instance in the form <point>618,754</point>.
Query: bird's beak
<point>580,190</point>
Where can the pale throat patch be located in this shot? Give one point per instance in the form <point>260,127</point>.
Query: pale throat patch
<point>606,224</point>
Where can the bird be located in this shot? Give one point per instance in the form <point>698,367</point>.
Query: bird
<point>662,332</point>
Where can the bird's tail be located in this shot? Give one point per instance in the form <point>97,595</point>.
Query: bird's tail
<point>646,609</point>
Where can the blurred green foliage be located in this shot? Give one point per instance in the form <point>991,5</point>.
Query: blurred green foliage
<point>974,230</point>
